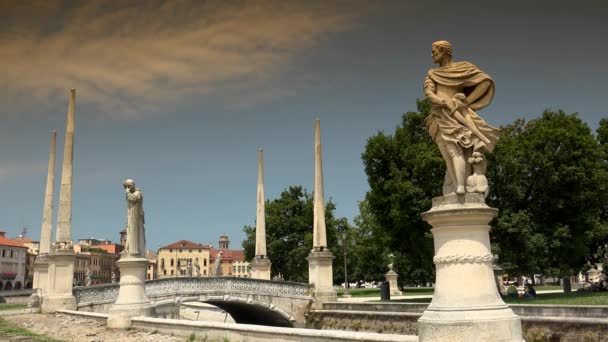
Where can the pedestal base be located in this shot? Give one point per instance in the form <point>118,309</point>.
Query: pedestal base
<point>60,280</point>
<point>41,274</point>
<point>51,304</point>
<point>392,276</point>
<point>132,300</point>
<point>320,275</point>
<point>466,305</point>
<point>260,268</point>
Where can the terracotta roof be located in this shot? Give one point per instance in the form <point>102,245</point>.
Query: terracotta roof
<point>185,244</point>
<point>8,242</point>
<point>23,239</point>
<point>112,248</point>
<point>228,254</point>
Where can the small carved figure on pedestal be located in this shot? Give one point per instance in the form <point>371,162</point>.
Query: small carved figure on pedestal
<point>88,276</point>
<point>136,233</point>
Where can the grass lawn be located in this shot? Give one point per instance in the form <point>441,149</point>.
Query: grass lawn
<point>8,329</point>
<point>572,298</point>
<point>547,288</point>
<point>407,291</point>
<point>4,307</point>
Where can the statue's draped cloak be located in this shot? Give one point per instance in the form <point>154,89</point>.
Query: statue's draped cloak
<point>136,237</point>
<point>462,75</point>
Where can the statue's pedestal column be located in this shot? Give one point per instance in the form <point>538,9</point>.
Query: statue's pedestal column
<point>391,276</point>
<point>320,275</point>
<point>60,278</point>
<point>132,300</point>
<point>260,268</point>
<point>466,305</point>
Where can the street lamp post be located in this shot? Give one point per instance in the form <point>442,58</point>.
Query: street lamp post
<point>342,241</point>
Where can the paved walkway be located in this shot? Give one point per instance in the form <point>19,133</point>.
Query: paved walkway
<point>377,298</point>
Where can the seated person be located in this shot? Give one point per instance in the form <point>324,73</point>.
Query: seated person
<point>531,293</point>
<point>512,290</point>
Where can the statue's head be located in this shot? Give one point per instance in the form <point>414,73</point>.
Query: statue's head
<point>129,184</point>
<point>440,49</point>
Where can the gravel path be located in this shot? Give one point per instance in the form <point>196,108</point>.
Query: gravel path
<point>69,328</point>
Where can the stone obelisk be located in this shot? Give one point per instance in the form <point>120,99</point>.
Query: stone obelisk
<point>260,265</point>
<point>47,215</point>
<point>64,219</point>
<point>320,272</point>
<point>41,264</point>
<point>61,258</point>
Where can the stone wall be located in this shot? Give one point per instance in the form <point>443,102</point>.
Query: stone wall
<point>213,331</point>
<point>564,323</point>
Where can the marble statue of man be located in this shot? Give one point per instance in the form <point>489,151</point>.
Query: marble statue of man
<point>218,264</point>
<point>136,233</point>
<point>456,90</point>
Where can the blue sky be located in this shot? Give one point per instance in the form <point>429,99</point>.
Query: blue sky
<point>180,95</point>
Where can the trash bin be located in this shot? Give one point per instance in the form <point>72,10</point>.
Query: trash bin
<point>385,291</point>
<point>566,284</point>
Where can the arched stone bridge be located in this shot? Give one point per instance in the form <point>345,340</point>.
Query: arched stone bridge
<point>250,301</point>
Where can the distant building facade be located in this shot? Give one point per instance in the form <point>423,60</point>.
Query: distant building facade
<point>182,259</point>
<point>13,264</point>
<point>233,262</point>
<point>190,259</point>
<point>151,270</point>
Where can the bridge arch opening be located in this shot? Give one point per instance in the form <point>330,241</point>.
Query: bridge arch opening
<point>246,313</point>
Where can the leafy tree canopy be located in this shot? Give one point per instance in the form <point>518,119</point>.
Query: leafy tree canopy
<point>404,171</point>
<point>289,230</point>
<point>548,178</point>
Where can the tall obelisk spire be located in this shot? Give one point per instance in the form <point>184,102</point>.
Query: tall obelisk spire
<point>260,264</point>
<point>64,220</point>
<point>260,217</point>
<point>320,259</point>
<point>319,236</point>
<point>47,215</point>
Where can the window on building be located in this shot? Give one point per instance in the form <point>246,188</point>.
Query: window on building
<point>205,262</point>
<point>162,262</point>
<point>178,262</point>
<point>189,251</point>
<point>171,272</point>
<point>170,251</point>
<point>171,262</point>
<point>164,272</point>
<point>3,253</point>
<point>12,254</point>
<point>233,268</point>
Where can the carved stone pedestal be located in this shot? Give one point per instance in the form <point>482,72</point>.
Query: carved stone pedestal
<point>466,305</point>
<point>41,274</point>
<point>60,279</point>
<point>260,268</point>
<point>391,276</point>
<point>132,300</point>
<point>320,275</point>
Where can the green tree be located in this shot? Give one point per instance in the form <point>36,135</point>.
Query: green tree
<point>289,230</point>
<point>404,171</point>
<point>548,179</point>
<point>367,255</point>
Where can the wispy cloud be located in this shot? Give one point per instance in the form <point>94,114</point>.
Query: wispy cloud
<point>128,58</point>
<point>13,169</point>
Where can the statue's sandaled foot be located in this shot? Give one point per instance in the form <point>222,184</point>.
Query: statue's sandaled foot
<point>460,190</point>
